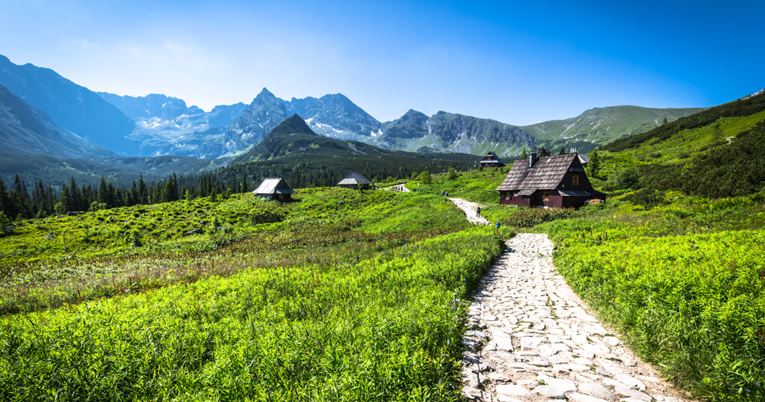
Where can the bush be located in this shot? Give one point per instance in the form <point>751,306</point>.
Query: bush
<point>646,197</point>
<point>627,178</point>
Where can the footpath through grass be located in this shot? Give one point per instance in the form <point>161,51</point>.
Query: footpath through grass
<point>682,282</point>
<point>384,329</point>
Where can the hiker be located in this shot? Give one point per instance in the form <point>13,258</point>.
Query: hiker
<point>478,211</point>
<point>496,230</point>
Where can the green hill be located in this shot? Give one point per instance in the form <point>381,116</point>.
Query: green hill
<point>712,153</point>
<point>599,126</point>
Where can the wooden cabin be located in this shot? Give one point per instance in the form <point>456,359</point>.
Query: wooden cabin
<point>492,160</point>
<point>275,189</point>
<point>557,181</point>
<point>355,180</point>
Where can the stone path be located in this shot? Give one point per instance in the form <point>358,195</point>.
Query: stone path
<point>398,187</point>
<point>470,211</point>
<point>530,338</point>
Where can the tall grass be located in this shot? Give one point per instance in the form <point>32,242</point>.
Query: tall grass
<point>380,330</point>
<point>686,290</point>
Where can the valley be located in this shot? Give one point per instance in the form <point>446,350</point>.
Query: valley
<point>155,273</point>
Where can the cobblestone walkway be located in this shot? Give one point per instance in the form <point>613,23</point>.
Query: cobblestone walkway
<point>470,209</point>
<point>531,339</point>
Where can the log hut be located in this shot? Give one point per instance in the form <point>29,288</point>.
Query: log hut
<point>275,189</point>
<point>354,180</point>
<point>492,160</point>
<point>557,181</point>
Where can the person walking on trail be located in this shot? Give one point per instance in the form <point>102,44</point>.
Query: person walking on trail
<point>496,229</point>
<point>478,211</point>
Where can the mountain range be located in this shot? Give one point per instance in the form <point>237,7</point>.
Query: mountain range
<point>71,106</point>
<point>28,130</point>
<point>157,124</point>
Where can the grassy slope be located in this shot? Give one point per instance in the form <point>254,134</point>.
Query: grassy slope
<point>600,126</point>
<point>57,260</point>
<point>475,185</point>
<point>680,147</point>
<point>380,330</point>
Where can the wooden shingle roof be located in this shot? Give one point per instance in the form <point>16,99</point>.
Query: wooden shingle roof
<point>546,174</point>
<point>354,178</point>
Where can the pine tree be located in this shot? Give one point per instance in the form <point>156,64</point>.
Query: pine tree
<point>103,192</point>
<point>4,199</point>
<point>524,155</point>
<point>131,196</point>
<point>169,190</point>
<point>175,193</point>
<point>112,196</point>
<point>143,193</point>
<point>562,151</point>
<point>75,198</point>
<point>245,186</point>
<point>65,198</point>
<point>20,201</point>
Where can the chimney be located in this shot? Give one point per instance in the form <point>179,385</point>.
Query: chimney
<point>532,159</point>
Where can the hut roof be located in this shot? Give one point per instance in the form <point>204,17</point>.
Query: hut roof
<point>354,178</point>
<point>583,159</point>
<point>546,173</point>
<point>273,186</point>
<point>491,157</point>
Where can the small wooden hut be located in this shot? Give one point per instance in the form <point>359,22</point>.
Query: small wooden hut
<point>275,189</point>
<point>557,181</point>
<point>491,160</point>
<point>355,180</point>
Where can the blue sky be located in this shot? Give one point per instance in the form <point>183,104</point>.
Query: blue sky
<point>515,62</point>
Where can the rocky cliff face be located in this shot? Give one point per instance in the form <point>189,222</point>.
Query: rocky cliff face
<point>166,126</point>
<point>451,132</point>
<point>335,116</point>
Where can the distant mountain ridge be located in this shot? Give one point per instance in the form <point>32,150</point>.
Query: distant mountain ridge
<point>70,106</point>
<point>337,117</point>
<point>451,132</point>
<point>25,129</point>
<point>157,124</point>
<point>600,126</point>
<point>166,126</point>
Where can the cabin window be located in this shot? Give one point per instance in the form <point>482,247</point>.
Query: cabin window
<point>547,196</point>
<point>575,180</point>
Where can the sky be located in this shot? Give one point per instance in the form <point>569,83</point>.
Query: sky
<point>515,62</point>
